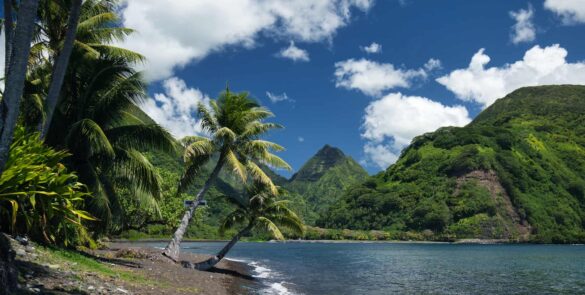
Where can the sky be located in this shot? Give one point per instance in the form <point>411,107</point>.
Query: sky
<point>362,75</point>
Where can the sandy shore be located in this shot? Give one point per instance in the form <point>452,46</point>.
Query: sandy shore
<point>229,277</point>
<point>122,268</point>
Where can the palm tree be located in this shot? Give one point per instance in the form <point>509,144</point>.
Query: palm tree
<point>16,73</point>
<point>99,123</point>
<point>87,35</point>
<point>235,124</point>
<point>260,210</point>
<point>60,67</point>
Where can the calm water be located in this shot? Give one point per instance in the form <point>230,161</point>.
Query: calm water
<point>386,268</point>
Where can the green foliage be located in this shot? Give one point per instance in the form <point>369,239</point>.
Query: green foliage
<point>533,141</point>
<point>97,118</point>
<point>39,197</point>
<point>321,181</point>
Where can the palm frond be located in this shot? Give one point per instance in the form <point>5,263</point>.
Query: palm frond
<point>268,226</point>
<point>134,167</point>
<point>259,176</point>
<point>239,216</point>
<point>235,165</point>
<point>142,137</point>
<point>200,147</point>
<point>208,120</point>
<point>93,134</point>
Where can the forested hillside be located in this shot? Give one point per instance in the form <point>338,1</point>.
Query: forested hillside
<point>516,172</point>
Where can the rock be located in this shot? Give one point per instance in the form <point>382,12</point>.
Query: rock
<point>90,288</point>
<point>53,266</point>
<point>29,249</point>
<point>121,290</point>
<point>20,252</point>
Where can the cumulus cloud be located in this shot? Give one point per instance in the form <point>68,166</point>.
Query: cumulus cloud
<point>372,48</point>
<point>432,64</point>
<point>523,30</point>
<point>372,78</point>
<point>274,98</point>
<point>301,139</point>
<point>173,33</point>
<point>176,108</point>
<point>540,66</point>
<point>571,11</point>
<point>294,53</point>
<point>392,121</point>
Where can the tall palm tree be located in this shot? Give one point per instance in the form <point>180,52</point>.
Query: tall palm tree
<point>235,123</point>
<point>60,66</point>
<point>99,122</point>
<point>69,35</point>
<point>16,74</point>
<point>260,210</point>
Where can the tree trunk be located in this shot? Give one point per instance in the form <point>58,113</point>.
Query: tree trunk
<point>60,67</point>
<point>8,31</point>
<point>173,249</point>
<point>16,74</point>
<point>211,262</point>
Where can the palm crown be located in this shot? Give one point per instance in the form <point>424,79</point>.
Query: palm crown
<point>262,209</point>
<point>234,123</point>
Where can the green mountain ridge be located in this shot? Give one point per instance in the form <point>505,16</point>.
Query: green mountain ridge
<point>517,172</point>
<point>316,186</point>
<point>323,178</point>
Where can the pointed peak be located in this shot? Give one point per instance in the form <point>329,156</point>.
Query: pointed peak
<point>330,152</point>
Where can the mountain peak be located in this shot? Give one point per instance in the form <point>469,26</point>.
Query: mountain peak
<point>330,152</point>
<point>326,158</point>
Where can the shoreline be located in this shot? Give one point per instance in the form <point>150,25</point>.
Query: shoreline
<point>457,242</point>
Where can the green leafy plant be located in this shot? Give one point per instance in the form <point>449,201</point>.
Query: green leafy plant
<point>39,197</point>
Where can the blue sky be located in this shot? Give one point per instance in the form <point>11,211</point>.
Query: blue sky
<point>378,100</point>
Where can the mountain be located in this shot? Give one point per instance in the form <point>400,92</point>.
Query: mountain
<point>323,178</point>
<point>516,172</point>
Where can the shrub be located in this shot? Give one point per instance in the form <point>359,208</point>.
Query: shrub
<point>39,197</point>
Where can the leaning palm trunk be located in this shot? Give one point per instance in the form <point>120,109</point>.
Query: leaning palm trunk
<point>16,74</point>
<point>61,66</point>
<point>211,262</point>
<point>173,249</point>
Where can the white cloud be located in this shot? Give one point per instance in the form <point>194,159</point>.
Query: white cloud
<point>301,139</point>
<point>176,109</point>
<point>171,33</point>
<point>379,155</point>
<point>432,64</point>
<point>392,121</point>
<point>523,30</point>
<point>372,48</point>
<point>373,78</point>
<point>294,53</point>
<point>274,98</point>
<point>540,66</point>
<point>571,11</point>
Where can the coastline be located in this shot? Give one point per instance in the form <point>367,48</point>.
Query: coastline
<point>461,241</point>
<point>122,268</point>
<point>228,277</point>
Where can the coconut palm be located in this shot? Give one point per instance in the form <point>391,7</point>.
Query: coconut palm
<point>260,210</point>
<point>235,123</point>
<point>19,43</point>
<point>91,38</point>
<point>60,66</point>
<point>99,123</point>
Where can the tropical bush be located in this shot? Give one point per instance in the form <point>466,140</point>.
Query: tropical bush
<point>39,197</point>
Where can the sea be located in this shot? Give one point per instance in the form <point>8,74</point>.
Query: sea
<point>406,268</point>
